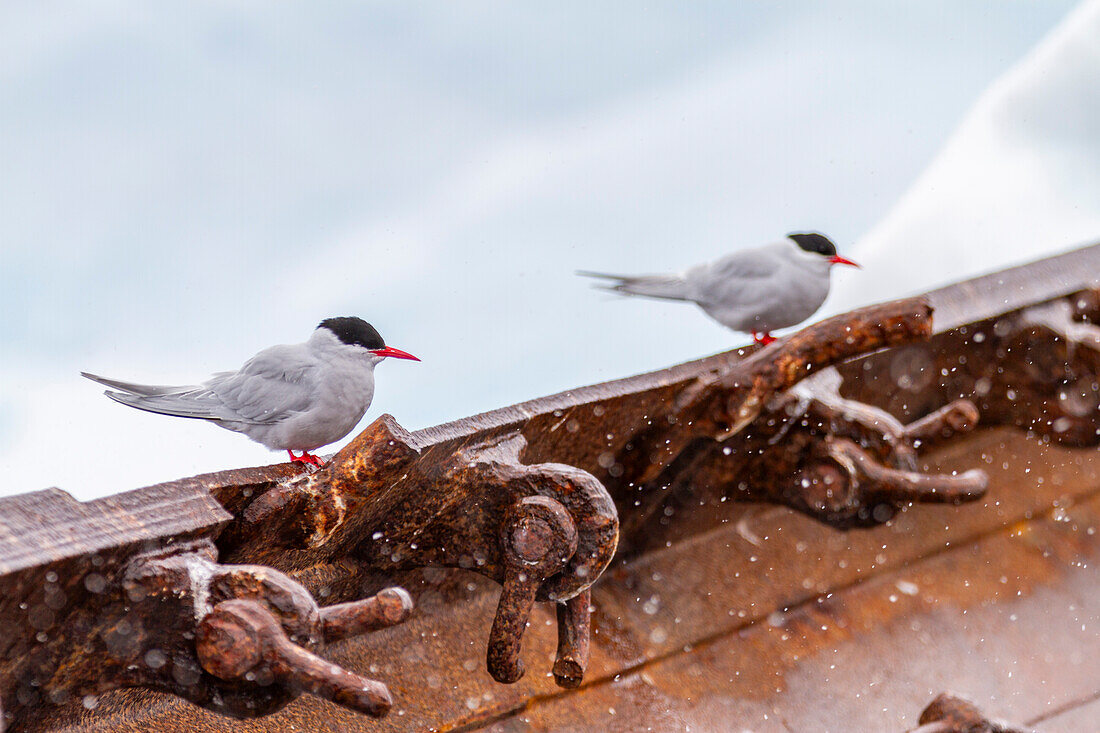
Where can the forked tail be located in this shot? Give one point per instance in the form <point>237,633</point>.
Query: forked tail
<point>667,287</point>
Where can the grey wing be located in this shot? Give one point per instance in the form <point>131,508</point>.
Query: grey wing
<point>273,385</point>
<point>743,277</point>
<point>181,401</point>
<point>270,387</point>
<point>196,403</point>
<point>144,390</point>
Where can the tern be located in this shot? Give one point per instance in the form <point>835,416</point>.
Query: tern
<point>754,291</point>
<point>295,397</point>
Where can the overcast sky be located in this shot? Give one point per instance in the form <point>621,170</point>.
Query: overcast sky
<point>182,185</point>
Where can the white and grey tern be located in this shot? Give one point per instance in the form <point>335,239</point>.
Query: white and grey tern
<point>295,397</point>
<point>754,291</point>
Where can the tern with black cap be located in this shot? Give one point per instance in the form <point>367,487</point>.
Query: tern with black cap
<point>753,291</point>
<point>295,397</point>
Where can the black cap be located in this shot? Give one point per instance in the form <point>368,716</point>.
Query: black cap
<point>814,242</point>
<point>354,332</point>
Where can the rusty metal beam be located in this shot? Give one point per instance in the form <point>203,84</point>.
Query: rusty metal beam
<point>529,497</point>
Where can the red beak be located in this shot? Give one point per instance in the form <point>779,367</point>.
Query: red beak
<point>838,260</point>
<point>395,353</point>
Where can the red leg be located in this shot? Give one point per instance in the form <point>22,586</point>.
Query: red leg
<point>306,457</point>
<point>763,339</point>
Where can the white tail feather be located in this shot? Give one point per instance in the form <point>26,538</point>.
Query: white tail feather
<point>666,287</point>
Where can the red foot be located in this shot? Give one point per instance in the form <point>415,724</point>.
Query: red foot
<point>762,338</point>
<point>306,457</point>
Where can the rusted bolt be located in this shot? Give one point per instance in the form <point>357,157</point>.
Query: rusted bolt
<point>537,539</point>
<point>531,539</point>
<point>389,607</point>
<point>844,483</point>
<point>877,482</point>
<point>960,416</point>
<point>574,629</point>
<point>227,648</point>
<point>239,640</point>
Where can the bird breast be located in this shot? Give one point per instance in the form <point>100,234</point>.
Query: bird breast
<point>344,397</point>
<point>786,297</point>
<point>341,397</point>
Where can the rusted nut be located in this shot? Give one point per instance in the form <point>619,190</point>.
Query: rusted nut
<point>574,631</point>
<point>227,648</point>
<point>822,488</point>
<point>239,640</point>
<point>538,537</point>
<point>531,539</point>
<point>389,607</point>
<point>846,485</point>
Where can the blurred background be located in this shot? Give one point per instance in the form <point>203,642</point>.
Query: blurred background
<point>183,184</point>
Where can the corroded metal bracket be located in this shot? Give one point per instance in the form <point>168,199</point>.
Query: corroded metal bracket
<point>237,639</point>
<point>545,532</point>
<point>950,714</point>
<point>852,464</point>
<point>773,427</point>
<point>1036,369</point>
<point>1053,390</point>
<point>722,404</point>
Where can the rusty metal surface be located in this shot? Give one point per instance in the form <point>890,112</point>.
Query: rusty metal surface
<point>387,503</point>
<point>1079,715</point>
<point>1035,369</point>
<point>693,459</point>
<point>1005,618</point>
<point>233,638</point>
<point>952,714</point>
<point>50,526</point>
<point>1016,287</point>
<point>904,617</point>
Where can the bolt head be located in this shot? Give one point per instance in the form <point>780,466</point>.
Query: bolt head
<point>226,648</point>
<point>532,538</point>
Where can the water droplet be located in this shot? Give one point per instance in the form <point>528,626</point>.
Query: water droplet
<point>909,589</point>
<point>155,658</point>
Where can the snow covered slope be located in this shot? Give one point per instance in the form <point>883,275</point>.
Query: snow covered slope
<point>1019,179</point>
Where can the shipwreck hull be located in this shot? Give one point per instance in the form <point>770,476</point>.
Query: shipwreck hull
<point>747,541</point>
